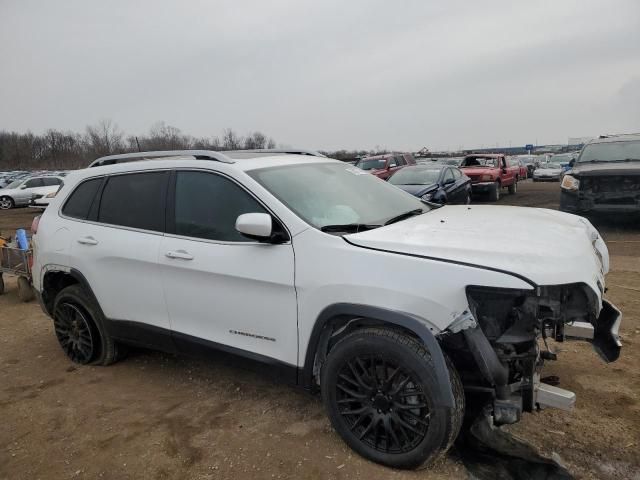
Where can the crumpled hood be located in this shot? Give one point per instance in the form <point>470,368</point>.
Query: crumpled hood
<point>546,246</point>
<point>418,190</point>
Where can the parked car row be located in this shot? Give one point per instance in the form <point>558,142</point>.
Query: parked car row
<point>447,180</point>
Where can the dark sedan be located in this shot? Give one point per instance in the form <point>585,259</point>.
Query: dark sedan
<point>435,183</point>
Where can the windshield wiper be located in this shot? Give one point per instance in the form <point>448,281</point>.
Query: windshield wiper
<point>404,216</point>
<point>348,227</point>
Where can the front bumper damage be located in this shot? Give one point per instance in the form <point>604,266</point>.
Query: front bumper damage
<point>502,356</point>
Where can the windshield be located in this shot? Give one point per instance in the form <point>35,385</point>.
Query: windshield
<point>371,163</point>
<point>415,176</point>
<point>611,152</point>
<point>480,162</point>
<point>334,194</point>
<point>551,166</point>
<point>564,158</point>
<point>15,184</point>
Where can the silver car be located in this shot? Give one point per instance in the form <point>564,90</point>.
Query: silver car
<point>21,192</point>
<point>548,171</point>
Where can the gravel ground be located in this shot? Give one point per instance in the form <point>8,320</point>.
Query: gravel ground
<point>159,416</point>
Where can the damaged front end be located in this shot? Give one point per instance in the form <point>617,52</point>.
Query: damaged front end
<point>500,355</point>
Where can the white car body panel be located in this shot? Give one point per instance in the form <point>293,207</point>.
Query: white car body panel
<point>560,246</point>
<point>329,270</point>
<point>229,293</point>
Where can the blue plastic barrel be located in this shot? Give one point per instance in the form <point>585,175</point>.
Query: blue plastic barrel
<point>21,239</point>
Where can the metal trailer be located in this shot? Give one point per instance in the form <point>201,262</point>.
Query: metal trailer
<point>17,262</point>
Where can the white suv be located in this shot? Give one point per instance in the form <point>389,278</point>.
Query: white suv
<point>334,279</point>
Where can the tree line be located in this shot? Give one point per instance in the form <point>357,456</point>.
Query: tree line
<point>65,150</point>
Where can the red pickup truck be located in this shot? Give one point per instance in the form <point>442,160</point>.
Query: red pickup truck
<point>490,173</point>
<point>383,166</point>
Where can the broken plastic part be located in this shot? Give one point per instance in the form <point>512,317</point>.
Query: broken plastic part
<point>490,453</point>
<point>554,397</point>
<point>462,322</point>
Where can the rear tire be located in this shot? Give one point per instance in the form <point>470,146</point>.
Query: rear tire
<point>79,327</point>
<point>494,195</point>
<point>513,188</point>
<point>6,203</point>
<point>378,386</point>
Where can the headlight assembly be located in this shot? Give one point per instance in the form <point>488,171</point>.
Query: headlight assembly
<point>570,183</point>
<point>427,197</point>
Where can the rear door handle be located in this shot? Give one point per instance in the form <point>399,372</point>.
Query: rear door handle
<point>181,254</point>
<point>88,240</point>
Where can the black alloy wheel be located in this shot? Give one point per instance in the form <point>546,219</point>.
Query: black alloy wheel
<point>75,334</point>
<point>382,403</point>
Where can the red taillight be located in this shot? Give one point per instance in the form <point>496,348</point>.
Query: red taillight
<point>34,224</point>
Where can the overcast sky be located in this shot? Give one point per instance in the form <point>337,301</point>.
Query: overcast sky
<point>326,74</point>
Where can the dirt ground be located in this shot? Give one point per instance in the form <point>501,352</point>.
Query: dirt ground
<point>158,416</point>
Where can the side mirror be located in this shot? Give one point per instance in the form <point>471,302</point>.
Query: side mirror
<point>256,226</point>
<point>504,169</point>
<point>23,186</point>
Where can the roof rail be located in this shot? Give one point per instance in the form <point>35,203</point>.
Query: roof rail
<point>290,151</point>
<point>198,154</point>
<point>132,157</point>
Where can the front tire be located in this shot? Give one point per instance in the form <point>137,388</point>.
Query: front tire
<point>79,326</point>
<point>6,203</point>
<point>513,188</point>
<point>379,389</point>
<point>495,192</point>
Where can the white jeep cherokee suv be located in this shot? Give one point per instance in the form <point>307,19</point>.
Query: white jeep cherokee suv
<point>335,280</point>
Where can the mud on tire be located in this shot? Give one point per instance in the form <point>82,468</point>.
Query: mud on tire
<point>379,388</point>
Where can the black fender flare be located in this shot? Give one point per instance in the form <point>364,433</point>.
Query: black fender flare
<point>78,277</point>
<point>417,325</point>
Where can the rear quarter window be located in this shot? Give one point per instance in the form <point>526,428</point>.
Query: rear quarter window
<point>79,202</point>
<point>135,200</point>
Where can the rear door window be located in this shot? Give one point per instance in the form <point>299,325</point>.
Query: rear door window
<point>34,183</point>
<point>207,206</point>
<point>400,160</point>
<point>79,203</point>
<point>135,200</point>
<point>50,181</point>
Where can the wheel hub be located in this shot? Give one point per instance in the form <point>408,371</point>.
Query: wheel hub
<point>381,402</point>
<point>74,333</point>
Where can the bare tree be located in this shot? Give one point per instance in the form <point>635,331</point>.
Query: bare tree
<point>56,149</point>
<point>255,140</point>
<point>104,138</point>
<point>231,140</point>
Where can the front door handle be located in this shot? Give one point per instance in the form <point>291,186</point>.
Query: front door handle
<point>181,254</point>
<point>88,240</point>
